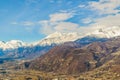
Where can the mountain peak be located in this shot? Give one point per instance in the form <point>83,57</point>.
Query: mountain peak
<point>106,32</point>
<point>58,38</point>
<point>12,44</point>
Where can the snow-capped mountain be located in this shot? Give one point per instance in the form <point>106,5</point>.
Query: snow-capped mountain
<point>106,32</point>
<point>58,38</point>
<point>18,48</point>
<point>12,44</point>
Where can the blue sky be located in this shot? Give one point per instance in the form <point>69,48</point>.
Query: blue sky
<point>32,20</point>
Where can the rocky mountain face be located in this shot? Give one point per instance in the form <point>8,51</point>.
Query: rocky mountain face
<point>110,70</point>
<point>71,58</point>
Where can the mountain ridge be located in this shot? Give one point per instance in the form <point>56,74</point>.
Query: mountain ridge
<point>20,48</point>
<point>58,37</point>
<point>72,59</point>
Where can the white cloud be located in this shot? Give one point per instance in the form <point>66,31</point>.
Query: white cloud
<point>60,16</point>
<point>102,7</point>
<point>14,23</point>
<point>87,20</point>
<point>57,21</point>
<point>51,1</point>
<point>66,27</point>
<point>29,2</point>
<point>49,27</point>
<point>111,20</point>
<point>108,21</point>
<point>81,6</point>
<point>29,28</point>
<point>106,6</point>
<point>27,23</point>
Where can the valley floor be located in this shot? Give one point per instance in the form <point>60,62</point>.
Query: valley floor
<point>98,74</point>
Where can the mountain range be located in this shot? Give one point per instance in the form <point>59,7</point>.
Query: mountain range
<point>17,48</point>
<point>66,56</point>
